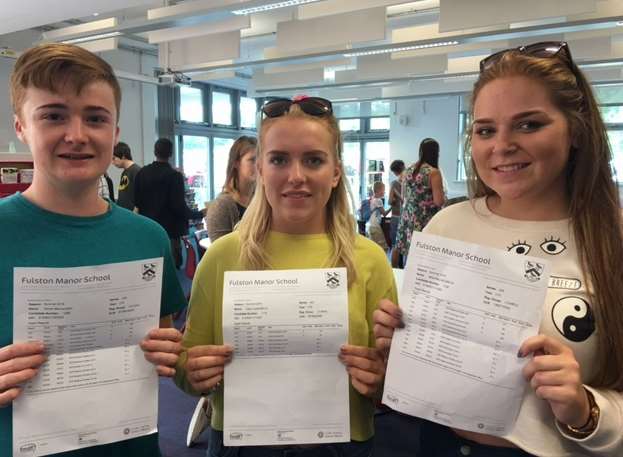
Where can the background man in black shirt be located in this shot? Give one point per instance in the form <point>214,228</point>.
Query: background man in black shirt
<point>122,158</point>
<point>159,195</point>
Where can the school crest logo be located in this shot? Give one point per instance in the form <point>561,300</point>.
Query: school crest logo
<point>533,271</point>
<point>149,271</point>
<point>332,279</point>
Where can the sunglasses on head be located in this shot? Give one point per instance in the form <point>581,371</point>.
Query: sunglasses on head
<point>545,49</point>
<point>314,106</point>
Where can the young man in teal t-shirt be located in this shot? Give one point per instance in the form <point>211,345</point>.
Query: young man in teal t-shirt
<point>66,102</point>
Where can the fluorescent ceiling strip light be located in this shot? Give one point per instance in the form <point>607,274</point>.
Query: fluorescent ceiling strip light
<point>83,39</point>
<point>92,27</point>
<point>400,49</point>
<point>272,6</point>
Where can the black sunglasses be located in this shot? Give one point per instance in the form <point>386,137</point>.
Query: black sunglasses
<point>314,106</point>
<point>543,49</point>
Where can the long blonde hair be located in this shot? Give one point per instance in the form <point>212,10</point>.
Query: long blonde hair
<point>340,226</point>
<point>594,199</point>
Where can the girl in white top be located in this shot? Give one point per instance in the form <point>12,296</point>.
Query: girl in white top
<point>542,184</point>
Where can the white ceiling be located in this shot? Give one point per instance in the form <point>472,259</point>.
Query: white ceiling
<point>25,14</point>
<point>309,48</point>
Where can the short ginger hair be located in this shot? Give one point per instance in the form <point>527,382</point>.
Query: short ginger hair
<point>51,66</point>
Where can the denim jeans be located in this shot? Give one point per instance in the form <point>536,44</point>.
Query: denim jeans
<point>393,229</point>
<point>351,449</point>
<point>439,441</point>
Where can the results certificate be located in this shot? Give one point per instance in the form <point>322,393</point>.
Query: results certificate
<point>285,383</point>
<point>96,386</point>
<point>467,309</point>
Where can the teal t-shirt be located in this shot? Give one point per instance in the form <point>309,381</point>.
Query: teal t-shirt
<point>33,237</point>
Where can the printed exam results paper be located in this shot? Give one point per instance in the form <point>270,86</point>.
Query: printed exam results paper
<point>285,384</point>
<point>96,387</point>
<point>467,309</point>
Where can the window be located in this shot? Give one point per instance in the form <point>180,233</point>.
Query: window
<point>350,125</point>
<point>463,157</point>
<point>616,143</point>
<point>380,108</point>
<point>342,110</point>
<point>611,107</point>
<point>221,108</point>
<point>379,123</point>
<point>612,114</point>
<point>191,104</point>
<point>248,112</point>
<point>209,120</point>
<point>365,132</point>
<point>221,157</point>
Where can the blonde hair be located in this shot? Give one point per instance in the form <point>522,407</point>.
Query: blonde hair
<point>50,66</point>
<point>594,199</point>
<point>256,222</point>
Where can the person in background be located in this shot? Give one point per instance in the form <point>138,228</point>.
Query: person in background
<point>105,188</point>
<point>395,200</point>
<point>299,218</point>
<point>423,195</point>
<point>122,158</point>
<point>377,212</point>
<point>227,209</point>
<point>66,104</point>
<point>159,194</point>
<point>541,184</point>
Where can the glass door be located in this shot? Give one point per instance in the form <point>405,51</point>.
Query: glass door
<point>196,162</point>
<point>351,158</point>
<point>376,155</point>
<point>221,157</point>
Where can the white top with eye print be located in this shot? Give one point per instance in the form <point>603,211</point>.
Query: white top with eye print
<point>567,316</point>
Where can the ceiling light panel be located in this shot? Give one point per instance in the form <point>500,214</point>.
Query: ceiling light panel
<point>86,39</point>
<point>67,32</point>
<point>209,28</point>
<point>272,6</point>
<point>221,46</point>
<point>591,48</point>
<point>331,7</point>
<point>25,14</point>
<point>381,67</point>
<point>190,7</point>
<point>366,25</point>
<point>307,66</point>
<point>460,15</point>
<point>107,44</point>
<point>265,81</point>
<point>392,49</point>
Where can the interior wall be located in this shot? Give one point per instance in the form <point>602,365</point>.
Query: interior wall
<point>137,122</point>
<point>438,118</point>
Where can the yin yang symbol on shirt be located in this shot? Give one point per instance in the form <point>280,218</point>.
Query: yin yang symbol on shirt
<point>571,315</point>
<point>573,318</point>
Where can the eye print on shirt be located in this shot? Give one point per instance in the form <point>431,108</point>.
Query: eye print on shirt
<point>573,318</point>
<point>519,247</point>
<point>553,246</point>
